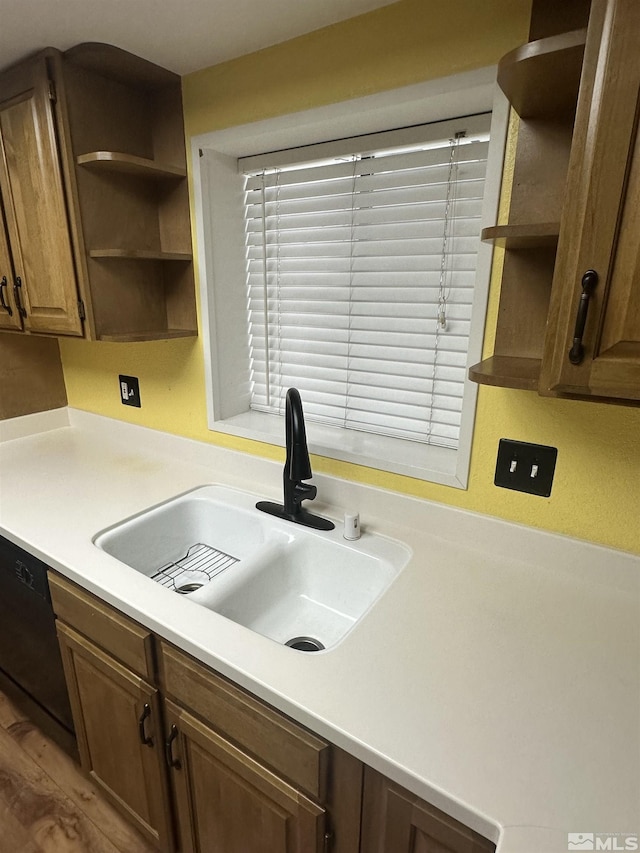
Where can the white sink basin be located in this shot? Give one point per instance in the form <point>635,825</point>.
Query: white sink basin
<point>224,519</point>
<point>299,587</point>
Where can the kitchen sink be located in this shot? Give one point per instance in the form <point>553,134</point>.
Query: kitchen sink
<point>300,587</point>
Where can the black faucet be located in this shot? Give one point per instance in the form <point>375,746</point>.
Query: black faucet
<point>297,468</point>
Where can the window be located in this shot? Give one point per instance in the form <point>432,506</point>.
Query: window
<point>373,311</point>
<point>361,269</point>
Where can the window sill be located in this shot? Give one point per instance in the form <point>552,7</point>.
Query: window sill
<point>409,458</point>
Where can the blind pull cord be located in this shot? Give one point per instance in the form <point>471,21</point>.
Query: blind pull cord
<point>443,290</point>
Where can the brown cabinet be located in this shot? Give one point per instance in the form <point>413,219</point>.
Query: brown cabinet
<point>395,821</point>
<point>593,338</point>
<point>541,80</point>
<point>569,314</point>
<point>95,198</point>
<point>229,801</point>
<point>125,155</point>
<point>246,777</point>
<point>37,271</point>
<point>118,726</point>
<point>197,763</point>
<point>116,708</point>
<point>200,765</point>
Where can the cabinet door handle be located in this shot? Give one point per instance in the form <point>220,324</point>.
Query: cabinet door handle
<point>16,291</point>
<point>144,737</point>
<point>168,749</point>
<point>3,301</point>
<point>589,281</point>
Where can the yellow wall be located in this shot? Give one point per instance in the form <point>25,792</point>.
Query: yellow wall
<point>596,494</point>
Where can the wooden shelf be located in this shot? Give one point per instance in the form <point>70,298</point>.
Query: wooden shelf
<point>139,255</point>
<point>507,372</point>
<point>154,335</point>
<point>542,78</point>
<point>129,164</point>
<point>522,236</point>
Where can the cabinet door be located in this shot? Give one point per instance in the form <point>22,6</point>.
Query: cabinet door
<point>117,720</point>
<point>9,316</point>
<point>34,200</point>
<point>601,221</point>
<point>395,821</point>
<point>228,802</point>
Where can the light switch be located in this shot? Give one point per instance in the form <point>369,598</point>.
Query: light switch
<point>525,467</point>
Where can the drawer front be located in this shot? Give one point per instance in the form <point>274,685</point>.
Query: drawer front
<point>127,641</point>
<point>290,750</point>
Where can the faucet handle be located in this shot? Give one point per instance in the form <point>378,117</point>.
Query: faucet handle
<point>304,492</point>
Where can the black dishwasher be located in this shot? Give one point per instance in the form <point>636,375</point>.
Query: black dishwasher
<point>31,673</point>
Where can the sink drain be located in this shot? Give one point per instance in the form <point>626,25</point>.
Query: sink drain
<point>186,588</point>
<point>305,644</point>
<point>189,581</point>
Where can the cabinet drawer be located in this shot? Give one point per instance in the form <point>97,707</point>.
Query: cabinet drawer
<point>127,641</point>
<point>290,750</point>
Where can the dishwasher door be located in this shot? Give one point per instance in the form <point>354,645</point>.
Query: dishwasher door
<point>29,652</point>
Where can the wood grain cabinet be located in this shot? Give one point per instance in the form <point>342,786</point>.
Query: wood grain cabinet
<point>201,766</point>
<point>569,315</point>
<point>395,821</point>
<point>95,237</point>
<point>198,764</point>
<point>593,337</point>
<point>38,289</point>
<point>228,801</point>
<point>116,708</point>
<point>541,80</point>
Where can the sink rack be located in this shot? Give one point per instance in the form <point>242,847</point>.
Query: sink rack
<point>199,565</point>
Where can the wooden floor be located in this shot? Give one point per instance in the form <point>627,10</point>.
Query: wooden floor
<point>46,804</point>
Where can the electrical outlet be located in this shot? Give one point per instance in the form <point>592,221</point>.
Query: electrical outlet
<point>525,467</point>
<point>130,391</point>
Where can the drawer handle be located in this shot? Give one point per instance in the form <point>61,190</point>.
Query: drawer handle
<point>16,291</point>
<point>168,749</point>
<point>589,281</point>
<point>3,301</point>
<point>144,737</point>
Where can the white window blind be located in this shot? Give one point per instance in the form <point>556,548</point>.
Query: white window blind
<point>361,262</point>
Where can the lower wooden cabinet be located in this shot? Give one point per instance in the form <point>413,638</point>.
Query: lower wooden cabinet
<point>118,726</point>
<point>229,802</point>
<point>202,766</point>
<point>199,765</point>
<point>396,821</point>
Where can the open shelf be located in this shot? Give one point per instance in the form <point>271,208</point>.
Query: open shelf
<point>129,164</point>
<point>522,236</point>
<point>507,372</point>
<point>160,334</point>
<point>541,78</point>
<point>139,255</point>
<point>127,153</point>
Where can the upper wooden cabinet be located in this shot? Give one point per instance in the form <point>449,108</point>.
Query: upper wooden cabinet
<point>574,208</point>
<point>541,81</point>
<point>38,275</point>
<point>593,337</point>
<point>94,188</point>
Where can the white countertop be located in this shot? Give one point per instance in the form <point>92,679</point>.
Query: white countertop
<point>498,678</point>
